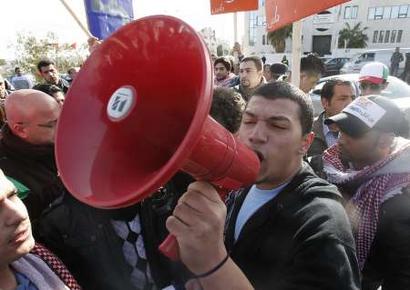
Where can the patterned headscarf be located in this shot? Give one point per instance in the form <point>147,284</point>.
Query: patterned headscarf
<point>375,184</point>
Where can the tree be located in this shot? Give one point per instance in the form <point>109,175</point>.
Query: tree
<point>29,50</point>
<point>278,37</point>
<point>353,37</point>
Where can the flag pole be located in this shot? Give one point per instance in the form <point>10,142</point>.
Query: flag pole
<point>296,52</point>
<point>77,19</point>
<point>235,26</point>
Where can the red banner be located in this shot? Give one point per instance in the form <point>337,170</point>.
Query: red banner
<point>226,6</point>
<point>282,12</point>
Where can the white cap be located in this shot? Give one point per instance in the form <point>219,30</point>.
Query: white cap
<point>374,72</point>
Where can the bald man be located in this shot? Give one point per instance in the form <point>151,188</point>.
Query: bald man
<point>27,149</point>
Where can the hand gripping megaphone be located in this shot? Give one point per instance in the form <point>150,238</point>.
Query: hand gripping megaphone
<point>137,113</point>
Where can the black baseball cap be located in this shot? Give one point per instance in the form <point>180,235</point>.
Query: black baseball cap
<point>367,113</point>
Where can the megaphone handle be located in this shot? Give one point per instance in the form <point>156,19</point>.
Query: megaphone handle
<point>169,247</point>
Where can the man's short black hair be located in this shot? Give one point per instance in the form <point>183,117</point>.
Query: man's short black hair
<point>225,61</point>
<point>256,60</point>
<point>312,65</point>
<point>284,90</point>
<point>328,89</point>
<point>48,89</point>
<point>44,62</point>
<point>227,108</point>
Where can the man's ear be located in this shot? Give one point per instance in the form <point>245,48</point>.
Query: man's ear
<point>306,142</point>
<point>19,130</point>
<point>385,141</point>
<point>325,103</point>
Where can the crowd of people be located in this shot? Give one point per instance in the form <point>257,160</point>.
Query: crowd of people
<point>329,208</point>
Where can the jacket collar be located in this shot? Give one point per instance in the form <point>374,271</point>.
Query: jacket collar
<point>21,148</point>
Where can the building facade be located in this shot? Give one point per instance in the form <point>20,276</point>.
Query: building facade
<point>387,25</point>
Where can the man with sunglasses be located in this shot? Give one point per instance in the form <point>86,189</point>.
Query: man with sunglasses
<point>370,165</point>
<point>373,78</point>
<point>27,148</point>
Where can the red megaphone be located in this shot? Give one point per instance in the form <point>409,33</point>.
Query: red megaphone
<point>137,113</point>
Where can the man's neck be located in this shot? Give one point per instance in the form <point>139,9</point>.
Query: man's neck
<point>222,78</point>
<point>359,165</point>
<point>7,278</point>
<point>272,184</point>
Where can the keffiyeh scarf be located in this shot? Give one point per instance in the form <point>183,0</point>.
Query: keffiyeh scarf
<point>375,184</point>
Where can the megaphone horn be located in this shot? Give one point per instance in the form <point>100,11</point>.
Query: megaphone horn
<point>138,112</point>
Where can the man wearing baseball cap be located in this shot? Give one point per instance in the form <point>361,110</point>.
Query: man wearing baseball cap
<point>373,78</point>
<point>370,165</point>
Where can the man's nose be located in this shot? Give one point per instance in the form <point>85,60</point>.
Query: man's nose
<point>258,134</point>
<point>14,213</point>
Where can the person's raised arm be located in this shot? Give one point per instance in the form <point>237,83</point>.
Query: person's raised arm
<point>198,225</point>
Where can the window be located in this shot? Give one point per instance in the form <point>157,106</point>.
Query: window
<point>375,34</point>
<point>399,35</point>
<point>351,12</point>
<point>260,20</point>
<point>387,36</point>
<point>366,57</point>
<point>403,11</point>
<point>348,12</point>
<point>387,12</point>
<point>395,12</point>
<point>370,56</point>
<point>252,36</point>
<point>371,13</point>
<point>378,13</point>
<point>381,36</point>
<point>252,28</point>
<point>355,9</point>
<point>384,12</point>
<point>393,36</point>
<point>252,19</point>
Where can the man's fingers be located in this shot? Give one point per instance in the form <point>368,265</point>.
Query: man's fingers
<point>206,189</point>
<point>186,214</point>
<point>175,226</point>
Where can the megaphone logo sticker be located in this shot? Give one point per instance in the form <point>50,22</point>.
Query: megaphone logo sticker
<point>121,103</point>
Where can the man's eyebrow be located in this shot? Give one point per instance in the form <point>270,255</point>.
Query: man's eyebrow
<point>273,118</point>
<point>279,118</point>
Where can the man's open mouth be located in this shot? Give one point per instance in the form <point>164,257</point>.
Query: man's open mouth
<point>260,155</point>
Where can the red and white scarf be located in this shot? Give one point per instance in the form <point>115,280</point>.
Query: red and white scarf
<point>375,184</point>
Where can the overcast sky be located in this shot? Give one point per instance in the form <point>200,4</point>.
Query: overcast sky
<point>42,16</point>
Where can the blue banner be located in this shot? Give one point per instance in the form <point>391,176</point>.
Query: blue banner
<point>106,16</point>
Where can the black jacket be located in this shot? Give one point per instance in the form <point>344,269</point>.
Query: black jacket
<point>301,239</point>
<point>388,263</point>
<point>319,144</point>
<point>33,166</point>
<point>84,238</point>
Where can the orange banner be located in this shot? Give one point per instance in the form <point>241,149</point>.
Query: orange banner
<point>282,12</point>
<point>226,6</point>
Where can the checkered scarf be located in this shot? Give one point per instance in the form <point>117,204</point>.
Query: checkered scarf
<point>56,266</point>
<point>374,185</point>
